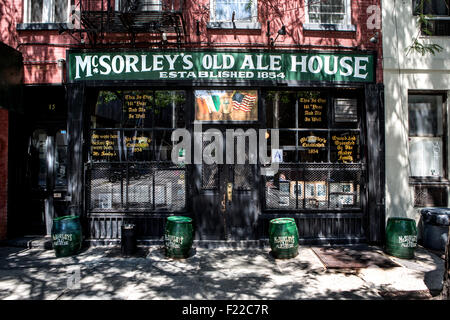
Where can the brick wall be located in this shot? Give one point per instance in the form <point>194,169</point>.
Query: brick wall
<point>42,48</point>
<point>3,172</point>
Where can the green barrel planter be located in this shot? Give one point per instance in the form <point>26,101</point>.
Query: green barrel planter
<point>283,238</point>
<point>178,237</point>
<point>66,236</point>
<point>401,237</point>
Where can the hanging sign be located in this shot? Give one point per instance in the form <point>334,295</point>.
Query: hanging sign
<point>195,65</point>
<point>277,155</point>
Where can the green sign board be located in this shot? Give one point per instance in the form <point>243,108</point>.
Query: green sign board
<point>196,65</point>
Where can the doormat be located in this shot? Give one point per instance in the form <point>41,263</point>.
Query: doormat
<point>353,257</point>
<point>406,295</point>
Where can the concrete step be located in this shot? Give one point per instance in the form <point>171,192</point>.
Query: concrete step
<point>29,242</point>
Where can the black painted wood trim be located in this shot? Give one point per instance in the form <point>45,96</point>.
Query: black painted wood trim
<point>374,97</point>
<point>75,165</point>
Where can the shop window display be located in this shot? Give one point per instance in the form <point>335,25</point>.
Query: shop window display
<point>320,135</point>
<point>130,168</point>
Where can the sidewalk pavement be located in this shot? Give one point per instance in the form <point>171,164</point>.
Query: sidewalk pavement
<point>219,273</point>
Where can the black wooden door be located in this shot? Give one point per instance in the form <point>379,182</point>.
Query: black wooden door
<point>225,196</point>
<point>47,163</point>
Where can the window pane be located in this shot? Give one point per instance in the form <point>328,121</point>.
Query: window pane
<point>425,115</point>
<point>288,144</point>
<point>168,111</point>
<point>312,109</point>
<point>278,190</point>
<point>137,107</point>
<point>169,189</point>
<point>425,157</point>
<point>436,7</point>
<point>313,146</point>
<point>147,5</point>
<point>36,7</point>
<point>61,158</point>
<point>108,110</point>
<point>337,19</point>
<point>106,145</point>
<point>60,12</point>
<point>280,109</point>
<point>345,147</point>
<point>39,157</point>
<point>226,105</point>
<point>241,8</point>
<point>163,145</point>
<point>345,188</point>
<point>345,111</point>
<point>138,145</point>
<point>326,11</point>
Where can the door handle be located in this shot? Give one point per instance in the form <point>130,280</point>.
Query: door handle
<point>224,204</point>
<point>229,191</point>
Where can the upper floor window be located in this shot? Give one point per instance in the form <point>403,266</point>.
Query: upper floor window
<point>432,7</point>
<point>234,14</point>
<point>328,15</point>
<point>46,11</point>
<point>138,5</point>
<point>426,135</point>
<point>438,16</point>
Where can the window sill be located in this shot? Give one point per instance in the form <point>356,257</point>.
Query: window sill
<point>328,27</point>
<point>234,25</point>
<point>41,26</point>
<point>428,181</point>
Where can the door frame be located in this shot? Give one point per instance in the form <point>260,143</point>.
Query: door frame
<point>45,107</point>
<point>224,170</point>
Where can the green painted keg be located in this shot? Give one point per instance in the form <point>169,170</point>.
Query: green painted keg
<point>178,237</point>
<point>401,237</point>
<point>283,238</point>
<point>66,236</point>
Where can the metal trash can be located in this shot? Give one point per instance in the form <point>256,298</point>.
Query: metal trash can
<point>128,240</point>
<point>436,222</point>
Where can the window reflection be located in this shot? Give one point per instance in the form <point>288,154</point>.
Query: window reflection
<point>61,158</point>
<point>38,152</point>
<point>144,121</point>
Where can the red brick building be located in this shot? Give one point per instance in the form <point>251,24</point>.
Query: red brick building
<point>107,82</point>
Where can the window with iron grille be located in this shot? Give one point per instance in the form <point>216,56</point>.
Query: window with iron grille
<point>426,135</point>
<point>130,166</point>
<point>234,14</point>
<point>328,14</point>
<point>46,11</point>
<point>321,138</point>
<point>437,16</point>
<point>427,147</point>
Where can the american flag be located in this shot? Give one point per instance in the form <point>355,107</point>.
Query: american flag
<point>243,102</point>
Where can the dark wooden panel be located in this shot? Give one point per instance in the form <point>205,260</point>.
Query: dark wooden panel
<point>75,165</point>
<point>374,97</point>
<point>104,226</point>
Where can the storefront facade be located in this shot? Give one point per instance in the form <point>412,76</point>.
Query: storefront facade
<point>322,105</point>
<point>105,95</point>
